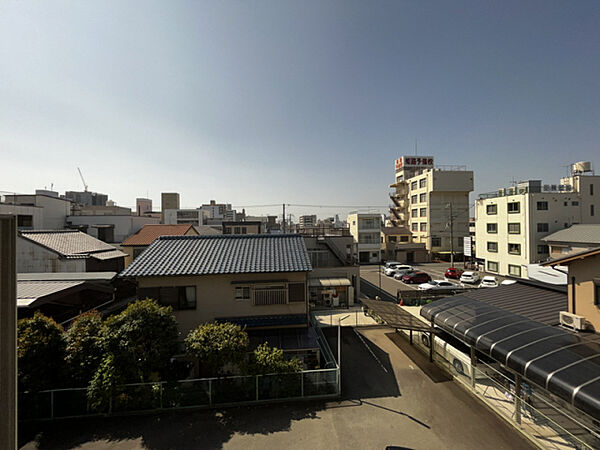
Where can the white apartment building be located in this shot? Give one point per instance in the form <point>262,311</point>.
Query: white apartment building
<point>365,228</point>
<point>44,210</point>
<point>510,223</point>
<point>308,221</point>
<point>183,217</point>
<point>432,202</point>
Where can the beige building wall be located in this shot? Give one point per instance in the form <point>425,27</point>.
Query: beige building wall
<point>215,296</point>
<point>584,275</point>
<point>365,228</point>
<point>168,200</point>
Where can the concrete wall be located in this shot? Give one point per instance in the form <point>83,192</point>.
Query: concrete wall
<point>35,258</point>
<point>124,226</point>
<point>585,271</point>
<point>36,213</point>
<point>215,297</point>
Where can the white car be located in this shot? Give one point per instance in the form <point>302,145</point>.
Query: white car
<point>397,269</point>
<point>488,281</point>
<point>469,277</point>
<point>435,285</point>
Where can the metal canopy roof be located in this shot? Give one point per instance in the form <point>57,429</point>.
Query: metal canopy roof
<point>566,364</point>
<point>395,316</point>
<point>329,282</point>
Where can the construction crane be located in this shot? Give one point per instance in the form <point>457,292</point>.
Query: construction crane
<point>85,186</point>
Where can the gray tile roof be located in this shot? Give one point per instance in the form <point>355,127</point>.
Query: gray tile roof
<point>577,234</point>
<point>71,243</point>
<point>220,254</point>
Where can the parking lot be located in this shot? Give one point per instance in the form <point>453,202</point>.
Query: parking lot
<point>392,398</point>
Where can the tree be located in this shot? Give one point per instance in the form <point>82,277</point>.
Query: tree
<point>142,340</point>
<point>84,347</point>
<point>265,360</point>
<point>41,353</point>
<point>216,345</point>
<point>103,385</point>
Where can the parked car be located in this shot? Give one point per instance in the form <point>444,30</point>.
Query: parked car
<point>389,271</point>
<point>390,264</point>
<point>399,268</point>
<point>416,277</point>
<point>469,277</point>
<point>453,272</point>
<point>488,281</point>
<point>435,285</point>
<point>400,273</point>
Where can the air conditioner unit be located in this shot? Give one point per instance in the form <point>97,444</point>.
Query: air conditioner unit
<point>573,321</point>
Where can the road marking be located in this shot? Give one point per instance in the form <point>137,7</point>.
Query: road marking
<point>370,351</point>
<point>411,367</point>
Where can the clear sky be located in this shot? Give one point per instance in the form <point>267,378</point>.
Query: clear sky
<point>305,102</point>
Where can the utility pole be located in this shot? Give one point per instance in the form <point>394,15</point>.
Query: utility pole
<point>283,219</point>
<point>451,237</point>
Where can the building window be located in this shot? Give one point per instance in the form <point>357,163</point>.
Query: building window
<point>369,238</point>
<point>414,212</point>
<point>543,249</point>
<point>513,270</point>
<point>403,238</point>
<point>178,297</point>
<point>542,206</point>
<point>368,223</point>
<point>591,189</point>
<point>413,185</point>
<point>414,226</point>
<point>244,229</point>
<point>592,210</point>
<point>514,207</point>
<point>296,292</point>
<point>423,212</point>
<point>423,182</point>
<point>227,230</point>
<point>24,221</point>
<point>436,241</point>
<point>491,209</point>
<point>236,230</point>
<point>542,227</point>
<point>492,266</point>
<point>574,203</point>
<point>413,199</point>
<point>514,228</point>
<point>492,247</point>
<point>392,239</point>
<point>269,295</point>
<point>492,228</point>
<point>514,249</point>
<point>422,198</point>
<point>242,293</point>
<point>423,226</point>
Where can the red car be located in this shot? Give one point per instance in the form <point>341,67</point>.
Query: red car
<point>453,272</point>
<point>416,277</point>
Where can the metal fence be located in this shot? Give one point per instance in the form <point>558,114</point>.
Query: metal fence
<point>533,412</point>
<point>195,393</point>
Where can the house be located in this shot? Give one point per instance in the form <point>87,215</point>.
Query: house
<point>65,251</point>
<point>576,238</point>
<point>259,281</point>
<point>397,245</point>
<point>135,244</point>
<point>44,210</point>
<point>366,230</point>
<point>243,227</point>
<point>584,284</point>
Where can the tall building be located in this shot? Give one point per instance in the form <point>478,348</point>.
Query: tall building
<point>307,221</point>
<point>87,198</point>
<point>365,228</point>
<point>168,200</point>
<point>510,223</point>
<point>432,202</point>
<point>143,206</point>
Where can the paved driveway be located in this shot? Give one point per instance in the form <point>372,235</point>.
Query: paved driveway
<point>393,398</point>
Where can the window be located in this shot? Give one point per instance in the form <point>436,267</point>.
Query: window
<point>543,249</point>
<point>591,189</point>
<point>413,199</point>
<point>542,227</point>
<point>423,226</point>
<point>391,238</point>
<point>368,223</point>
<point>178,297</point>
<point>436,241</point>
<point>413,185</point>
<point>492,247</point>
<point>542,206</point>
<point>492,228</point>
<point>514,228</point>
<point>492,266</point>
<point>566,204</point>
<point>244,229</point>
<point>227,230</point>
<point>236,230</point>
<point>24,221</point>
<point>414,226</point>
<point>369,238</point>
<point>514,249</point>
<point>296,292</point>
<point>414,212</point>
<point>423,198</point>
<point>270,295</point>
<point>318,258</point>
<point>514,207</point>
<point>423,212</point>
<point>403,238</point>
<point>491,209</point>
<point>513,270</point>
<point>574,203</point>
<point>242,293</point>
<point>591,210</point>
<point>137,251</point>
<point>423,182</point>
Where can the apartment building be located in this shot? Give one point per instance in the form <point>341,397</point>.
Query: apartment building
<point>510,223</point>
<point>44,210</point>
<point>432,202</point>
<point>183,217</point>
<point>143,206</point>
<point>397,245</point>
<point>168,200</point>
<point>365,228</point>
<point>307,221</point>
<point>86,198</point>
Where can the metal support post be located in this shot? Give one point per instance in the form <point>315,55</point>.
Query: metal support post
<point>431,342</point>
<point>410,334</point>
<point>473,367</point>
<point>518,382</point>
<point>257,387</point>
<point>52,404</point>
<point>210,399</point>
<point>301,384</point>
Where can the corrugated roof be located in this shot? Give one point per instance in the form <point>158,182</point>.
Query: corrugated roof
<point>577,234</point>
<point>66,276</point>
<point>29,291</point>
<point>68,243</point>
<point>150,232</point>
<point>538,303</point>
<point>220,254</point>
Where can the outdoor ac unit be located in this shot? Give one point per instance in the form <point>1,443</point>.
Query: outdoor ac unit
<point>572,321</point>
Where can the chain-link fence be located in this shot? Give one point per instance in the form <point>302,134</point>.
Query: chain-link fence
<point>196,393</point>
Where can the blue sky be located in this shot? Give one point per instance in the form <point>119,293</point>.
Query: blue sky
<point>261,102</point>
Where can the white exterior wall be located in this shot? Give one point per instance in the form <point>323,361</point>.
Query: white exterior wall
<point>36,212</point>
<point>33,258</point>
<point>124,226</point>
<point>171,217</point>
<point>359,233</point>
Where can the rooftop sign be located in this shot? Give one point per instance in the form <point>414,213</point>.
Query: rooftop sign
<point>414,162</point>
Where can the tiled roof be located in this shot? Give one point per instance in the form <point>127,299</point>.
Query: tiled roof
<point>70,243</point>
<point>576,234</point>
<point>148,233</point>
<point>220,254</point>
